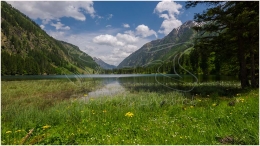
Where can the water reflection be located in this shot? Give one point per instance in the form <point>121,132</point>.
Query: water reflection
<point>115,84</point>
<point>152,83</point>
<point>110,88</point>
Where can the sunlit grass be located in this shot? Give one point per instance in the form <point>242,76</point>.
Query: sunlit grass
<point>128,118</point>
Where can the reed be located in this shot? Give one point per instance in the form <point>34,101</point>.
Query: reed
<point>127,118</point>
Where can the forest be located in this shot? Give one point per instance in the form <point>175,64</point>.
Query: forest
<point>227,44</point>
<point>75,109</point>
<point>26,49</point>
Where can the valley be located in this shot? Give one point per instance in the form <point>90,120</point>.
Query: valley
<point>82,73</point>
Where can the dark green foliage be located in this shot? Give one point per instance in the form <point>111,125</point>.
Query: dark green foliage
<point>194,60</point>
<point>231,32</point>
<point>226,43</point>
<point>27,49</point>
<point>163,56</point>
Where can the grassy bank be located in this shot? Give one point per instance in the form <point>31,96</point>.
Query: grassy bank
<point>129,118</point>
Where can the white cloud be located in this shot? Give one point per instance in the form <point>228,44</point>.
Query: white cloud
<point>42,26</point>
<point>170,21</point>
<point>60,35</point>
<point>167,5</point>
<point>99,17</point>
<point>59,26</point>
<point>130,32</point>
<point>108,26</point>
<point>119,53</point>
<point>53,10</point>
<point>109,16</point>
<point>165,16</point>
<point>122,53</point>
<point>117,48</point>
<point>168,25</point>
<point>113,58</point>
<point>127,38</point>
<point>144,31</point>
<point>89,48</point>
<point>105,47</point>
<point>130,48</point>
<point>126,25</point>
<point>107,40</point>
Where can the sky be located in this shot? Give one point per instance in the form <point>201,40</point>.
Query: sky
<point>109,30</point>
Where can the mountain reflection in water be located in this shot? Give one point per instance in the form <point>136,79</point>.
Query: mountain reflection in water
<point>108,89</point>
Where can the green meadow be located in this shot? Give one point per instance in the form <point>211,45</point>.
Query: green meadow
<point>53,112</point>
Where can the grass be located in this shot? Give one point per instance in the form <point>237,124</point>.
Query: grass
<point>129,118</point>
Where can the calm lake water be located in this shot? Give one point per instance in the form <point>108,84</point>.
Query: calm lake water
<point>113,83</point>
<point>125,77</point>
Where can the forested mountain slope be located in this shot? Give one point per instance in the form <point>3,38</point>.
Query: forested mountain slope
<point>178,40</point>
<point>27,49</point>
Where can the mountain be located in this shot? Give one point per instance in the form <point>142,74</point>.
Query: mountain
<point>27,49</point>
<point>178,40</point>
<point>102,64</point>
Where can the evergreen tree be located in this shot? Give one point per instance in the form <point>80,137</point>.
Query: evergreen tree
<point>231,27</point>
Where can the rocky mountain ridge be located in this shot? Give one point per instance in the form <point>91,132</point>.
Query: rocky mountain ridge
<point>179,39</point>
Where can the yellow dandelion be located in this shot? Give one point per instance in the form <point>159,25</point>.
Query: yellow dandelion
<point>18,130</point>
<point>46,126</point>
<point>240,100</point>
<point>214,104</point>
<point>104,111</point>
<point>85,95</point>
<point>7,132</point>
<point>191,106</point>
<point>199,100</point>
<point>129,114</point>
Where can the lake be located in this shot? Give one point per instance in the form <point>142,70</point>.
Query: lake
<point>127,77</point>
<point>112,84</point>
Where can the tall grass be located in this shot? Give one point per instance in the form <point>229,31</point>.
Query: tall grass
<point>128,118</point>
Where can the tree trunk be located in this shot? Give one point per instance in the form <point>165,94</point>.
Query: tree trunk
<point>242,63</point>
<point>252,70</point>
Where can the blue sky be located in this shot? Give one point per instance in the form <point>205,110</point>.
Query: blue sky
<point>109,30</point>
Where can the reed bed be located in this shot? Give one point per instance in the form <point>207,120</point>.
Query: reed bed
<point>52,112</point>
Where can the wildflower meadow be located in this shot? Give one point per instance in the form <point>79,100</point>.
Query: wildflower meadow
<point>33,113</point>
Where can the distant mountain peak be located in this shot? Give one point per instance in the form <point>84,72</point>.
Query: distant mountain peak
<point>152,51</point>
<point>103,64</point>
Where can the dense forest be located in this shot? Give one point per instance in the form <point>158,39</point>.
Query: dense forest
<point>226,44</point>
<point>233,35</point>
<point>28,50</point>
<point>190,60</point>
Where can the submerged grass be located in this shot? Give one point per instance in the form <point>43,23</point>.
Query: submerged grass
<point>129,118</point>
